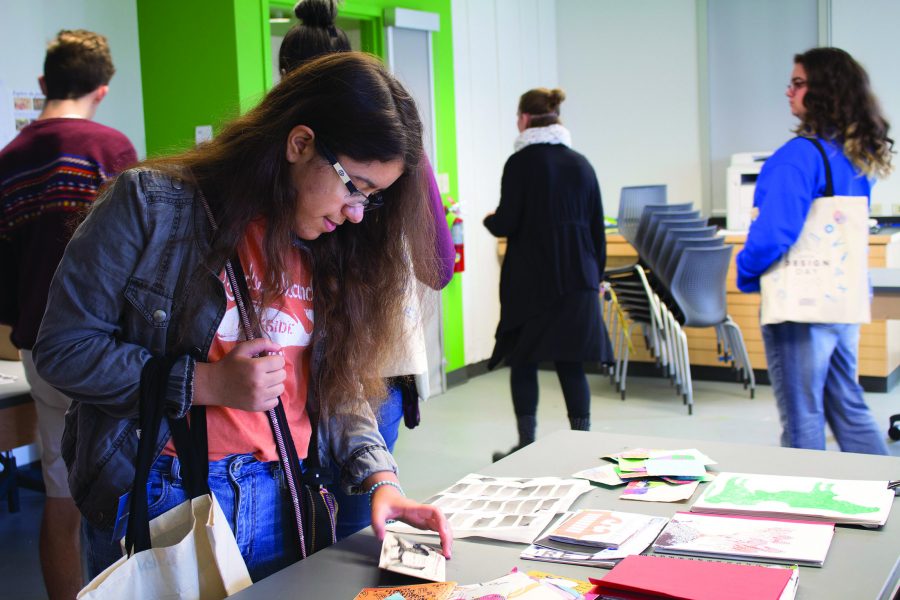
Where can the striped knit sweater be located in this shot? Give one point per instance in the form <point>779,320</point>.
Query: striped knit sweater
<point>49,175</point>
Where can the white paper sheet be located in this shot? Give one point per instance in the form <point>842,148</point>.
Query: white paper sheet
<point>503,508</point>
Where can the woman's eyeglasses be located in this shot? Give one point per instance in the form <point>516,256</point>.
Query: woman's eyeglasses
<point>796,84</point>
<point>356,197</point>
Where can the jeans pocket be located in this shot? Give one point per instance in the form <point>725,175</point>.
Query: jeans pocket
<point>162,494</point>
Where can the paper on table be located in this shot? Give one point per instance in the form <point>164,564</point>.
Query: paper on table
<point>746,538</point>
<point>675,467</point>
<point>412,558</point>
<point>838,500</point>
<point>605,474</point>
<point>639,542</point>
<point>637,453</point>
<point>516,585</point>
<point>424,591</point>
<point>658,491</point>
<point>502,508</point>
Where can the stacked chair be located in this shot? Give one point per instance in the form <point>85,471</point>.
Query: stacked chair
<point>678,282</point>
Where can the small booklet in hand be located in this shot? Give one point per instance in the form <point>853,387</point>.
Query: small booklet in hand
<point>599,528</point>
<point>412,558</point>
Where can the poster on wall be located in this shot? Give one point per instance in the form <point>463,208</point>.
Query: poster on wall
<point>17,110</point>
<point>27,106</point>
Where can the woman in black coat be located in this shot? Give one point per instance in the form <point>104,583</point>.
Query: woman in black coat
<point>551,214</point>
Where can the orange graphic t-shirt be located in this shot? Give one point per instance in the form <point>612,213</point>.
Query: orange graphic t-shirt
<point>289,323</point>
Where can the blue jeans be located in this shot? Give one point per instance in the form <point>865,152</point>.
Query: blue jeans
<point>253,497</point>
<point>813,372</point>
<point>353,511</point>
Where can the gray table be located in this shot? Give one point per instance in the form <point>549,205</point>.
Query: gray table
<point>861,564</point>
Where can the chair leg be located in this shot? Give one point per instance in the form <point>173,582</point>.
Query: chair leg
<point>686,373</point>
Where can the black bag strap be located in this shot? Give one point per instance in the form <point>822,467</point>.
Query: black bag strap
<point>829,182</point>
<point>312,472</point>
<point>190,444</point>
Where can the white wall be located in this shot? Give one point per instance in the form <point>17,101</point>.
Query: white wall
<point>752,44</point>
<point>870,30</point>
<point>27,25</point>
<point>501,49</point>
<point>630,72</point>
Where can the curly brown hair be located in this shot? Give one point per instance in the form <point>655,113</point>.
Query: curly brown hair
<point>361,272</point>
<point>840,106</point>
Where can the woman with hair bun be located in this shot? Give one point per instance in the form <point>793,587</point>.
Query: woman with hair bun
<point>813,365</point>
<point>406,376</point>
<point>313,36</point>
<point>551,214</point>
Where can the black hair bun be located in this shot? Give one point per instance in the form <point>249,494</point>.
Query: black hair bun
<point>316,13</point>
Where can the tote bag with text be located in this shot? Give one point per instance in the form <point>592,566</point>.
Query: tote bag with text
<point>824,276</point>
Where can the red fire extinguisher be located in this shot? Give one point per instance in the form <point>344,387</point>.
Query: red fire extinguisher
<point>456,233</point>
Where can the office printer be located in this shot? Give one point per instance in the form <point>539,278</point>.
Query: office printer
<point>739,187</point>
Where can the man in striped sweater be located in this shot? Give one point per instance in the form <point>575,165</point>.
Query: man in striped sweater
<point>49,175</point>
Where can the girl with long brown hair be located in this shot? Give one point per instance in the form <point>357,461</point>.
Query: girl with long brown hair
<point>316,194</point>
<point>813,366</point>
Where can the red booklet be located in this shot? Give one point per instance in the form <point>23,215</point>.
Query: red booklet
<point>685,579</point>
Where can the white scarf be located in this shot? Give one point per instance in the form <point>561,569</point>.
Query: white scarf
<point>552,134</point>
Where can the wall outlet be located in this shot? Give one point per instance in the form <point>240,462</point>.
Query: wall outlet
<point>895,209</point>
<point>202,133</point>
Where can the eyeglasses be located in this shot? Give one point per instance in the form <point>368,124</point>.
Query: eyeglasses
<point>796,84</point>
<point>356,197</point>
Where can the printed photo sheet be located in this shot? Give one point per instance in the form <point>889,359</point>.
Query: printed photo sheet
<point>503,508</point>
<point>400,555</point>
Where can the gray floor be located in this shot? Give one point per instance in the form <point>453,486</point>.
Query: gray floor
<point>460,430</point>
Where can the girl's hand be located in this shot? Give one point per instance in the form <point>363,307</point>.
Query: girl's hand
<point>239,380</point>
<point>389,503</point>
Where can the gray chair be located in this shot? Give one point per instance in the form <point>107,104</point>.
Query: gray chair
<point>644,223</point>
<point>677,240</point>
<point>632,201</point>
<point>654,243</point>
<point>698,289</point>
<point>671,249</point>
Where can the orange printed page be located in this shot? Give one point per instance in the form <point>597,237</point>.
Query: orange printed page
<point>425,591</point>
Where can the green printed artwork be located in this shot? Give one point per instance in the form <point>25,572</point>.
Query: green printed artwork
<point>735,491</point>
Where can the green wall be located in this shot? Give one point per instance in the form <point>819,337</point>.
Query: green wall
<point>205,61</point>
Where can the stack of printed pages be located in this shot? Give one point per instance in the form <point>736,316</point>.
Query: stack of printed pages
<point>842,501</point>
<point>595,538</point>
<point>746,538</point>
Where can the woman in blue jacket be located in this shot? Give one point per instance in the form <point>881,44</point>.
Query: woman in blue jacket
<point>813,366</point>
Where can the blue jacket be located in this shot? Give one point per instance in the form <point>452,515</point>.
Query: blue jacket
<point>132,284</point>
<point>789,182</point>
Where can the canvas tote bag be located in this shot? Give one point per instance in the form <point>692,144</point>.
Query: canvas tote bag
<point>824,276</point>
<point>188,552</point>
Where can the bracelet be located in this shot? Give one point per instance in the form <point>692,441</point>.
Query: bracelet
<point>381,483</point>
